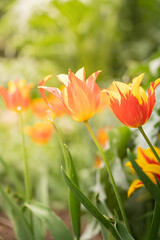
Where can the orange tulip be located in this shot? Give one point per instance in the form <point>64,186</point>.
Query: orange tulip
<point>39,107</point>
<point>17,96</point>
<point>130,103</point>
<point>80,97</point>
<point>40,132</point>
<point>149,164</point>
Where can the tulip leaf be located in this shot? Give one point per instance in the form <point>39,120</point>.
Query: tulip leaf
<point>124,234</point>
<point>152,188</point>
<point>91,208</point>
<point>103,210</point>
<point>55,225</point>
<point>21,226</point>
<point>74,203</point>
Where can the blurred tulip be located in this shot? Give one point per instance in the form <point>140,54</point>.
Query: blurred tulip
<point>40,132</point>
<point>80,97</point>
<point>130,103</point>
<point>17,96</point>
<point>39,107</point>
<point>102,137</point>
<point>98,162</point>
<point>149,164</point>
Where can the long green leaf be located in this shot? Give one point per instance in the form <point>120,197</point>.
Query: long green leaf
<point>74,203</point>
<point>21,226</point>
<point>103,210</point>
<point>124,234</point>
<point>55,225</point>
<point>122,230</point>
<point>153,189</point>
<point>91,208</point>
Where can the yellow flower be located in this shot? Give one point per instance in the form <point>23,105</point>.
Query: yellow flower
<point>149,164</point>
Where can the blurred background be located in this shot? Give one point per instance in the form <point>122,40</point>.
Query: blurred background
<point>41,37</point>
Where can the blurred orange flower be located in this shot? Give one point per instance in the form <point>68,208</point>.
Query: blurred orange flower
<point>130,103</point>
<point>98,162</point>
<point>149,164</point>
<point>102,137</point>
<point>39,107</point>
<point>17,96</point>
<point>80,97</point>
<point>40,132</point>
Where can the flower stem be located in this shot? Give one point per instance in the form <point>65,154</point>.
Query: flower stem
<point>149,143</point>
<point>110,175</point>
<point>26,167</point>
<point>155,223</point>
<point>62,146</point>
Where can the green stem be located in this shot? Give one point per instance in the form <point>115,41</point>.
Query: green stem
<point>156,215</point>
<point>62,146</point>
<point>149,143</point>
<point>155,223</point>
<point>26,167</point>
<point>110,175</point>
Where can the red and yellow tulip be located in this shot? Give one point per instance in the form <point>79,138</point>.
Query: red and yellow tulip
<point>40,132</point>
<point>17,96</point>
<point>130,103</point>
<point>149,164</point>
<point>80,97</point>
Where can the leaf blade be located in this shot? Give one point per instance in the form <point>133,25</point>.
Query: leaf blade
<point>89,205</point>
<point>51,219</point>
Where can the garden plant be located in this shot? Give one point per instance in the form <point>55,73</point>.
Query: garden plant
<point>79,120</point>
<point>81,99</point>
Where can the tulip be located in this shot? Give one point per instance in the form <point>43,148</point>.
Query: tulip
<point>149,164</point>
<point>40,132</point>
<point>130,103</point>
<point>39,107</point>
<point>17,96</point>
<point>80,97</point>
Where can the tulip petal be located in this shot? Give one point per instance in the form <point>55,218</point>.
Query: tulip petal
<point>146,156</point>
<point>135,185</point>
<point>81,74</point>
<point>63,78</point>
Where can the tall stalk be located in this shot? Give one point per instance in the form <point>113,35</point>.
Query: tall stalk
<point>26,166</point>
<point>110,175</point>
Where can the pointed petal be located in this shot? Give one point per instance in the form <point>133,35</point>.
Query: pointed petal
<point>63,78</point>
<point>40,86</point>
<point>135,185</point>
<point>137,91</point>
<point>81,74</point>
<point>94,76</point>
<point>54,91</point>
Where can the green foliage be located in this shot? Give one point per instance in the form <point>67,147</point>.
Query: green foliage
<point>55,225</point>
